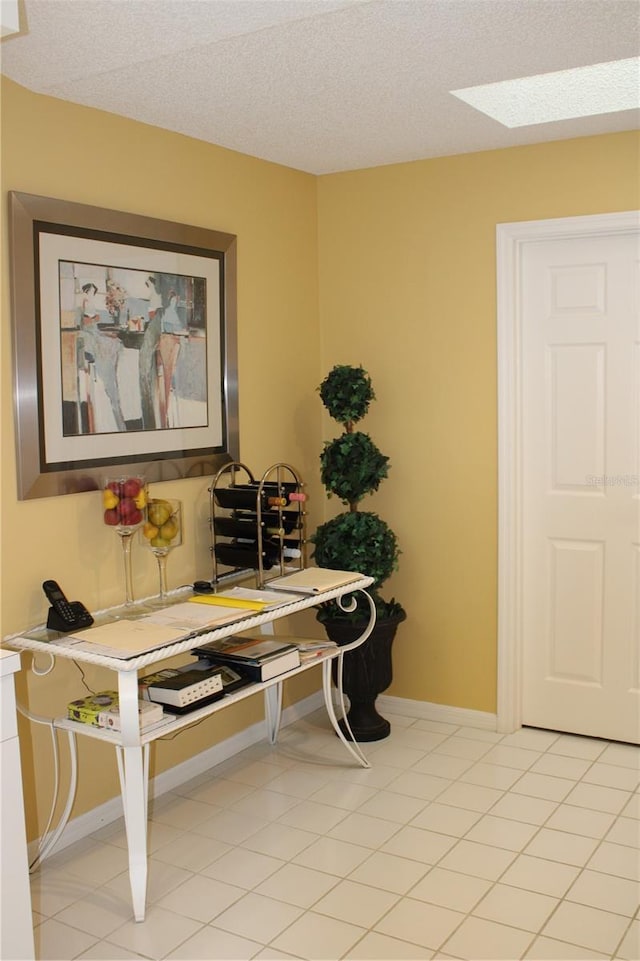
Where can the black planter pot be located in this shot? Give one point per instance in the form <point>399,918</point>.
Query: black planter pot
<point>367,672</point>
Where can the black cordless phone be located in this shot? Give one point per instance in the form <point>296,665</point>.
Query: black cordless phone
<point>64,615</point>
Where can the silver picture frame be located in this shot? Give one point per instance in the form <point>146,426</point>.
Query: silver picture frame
<point>58,249</point>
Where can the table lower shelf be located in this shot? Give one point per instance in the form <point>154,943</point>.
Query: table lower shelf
<point>172,723</point>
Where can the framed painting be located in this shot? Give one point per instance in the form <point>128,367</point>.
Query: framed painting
<point>125,346</point>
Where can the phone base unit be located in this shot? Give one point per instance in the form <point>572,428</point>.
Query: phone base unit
<point>80,618</point>
<point>64,615</point>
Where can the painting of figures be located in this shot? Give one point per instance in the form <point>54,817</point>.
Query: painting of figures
<point>133,349</point>
<point>125,345</point>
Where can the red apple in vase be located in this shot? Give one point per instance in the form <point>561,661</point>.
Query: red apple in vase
<point>124,502</point>
<point>129,513</point>
<point>125,506</point>
<point>132,487</point>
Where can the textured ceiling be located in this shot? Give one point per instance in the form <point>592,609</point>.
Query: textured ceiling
<point>319,85</point>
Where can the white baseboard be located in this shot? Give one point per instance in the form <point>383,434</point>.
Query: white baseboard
<point>98,817</point>
<point>426,711</point>
<point>86,824</point>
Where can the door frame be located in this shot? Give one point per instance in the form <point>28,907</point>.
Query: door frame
<point>511,243</point>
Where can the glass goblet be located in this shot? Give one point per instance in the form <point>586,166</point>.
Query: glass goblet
<point>124,501</point>
<point>161,533</point>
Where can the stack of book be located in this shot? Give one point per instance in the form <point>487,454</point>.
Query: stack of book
<point>183,689</point>
<point>310,649</point>
<point>101,710</point>
<point>257,658</point>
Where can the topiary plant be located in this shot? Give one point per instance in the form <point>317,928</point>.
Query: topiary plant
<point>351,467</point>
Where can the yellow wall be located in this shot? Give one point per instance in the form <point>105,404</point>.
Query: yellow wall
<point>74,153</point>
<point>407,289</point>
<point>393,268</point>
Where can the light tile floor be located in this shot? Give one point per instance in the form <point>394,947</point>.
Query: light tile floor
<point>457,843</point>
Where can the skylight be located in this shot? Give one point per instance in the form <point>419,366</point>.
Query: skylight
<point>562,95</point>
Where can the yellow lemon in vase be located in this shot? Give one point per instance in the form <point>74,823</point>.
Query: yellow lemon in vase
<point>109,499</point>
<point>158,512</point>
<point>170,529</point>
<point>161,533</point>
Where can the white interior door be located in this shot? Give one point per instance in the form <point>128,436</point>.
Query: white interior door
<point>580,480</point>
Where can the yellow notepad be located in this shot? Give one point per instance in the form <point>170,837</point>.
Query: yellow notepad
<point>219,600</point>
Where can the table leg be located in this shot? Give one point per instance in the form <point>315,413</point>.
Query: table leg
<point>272,698</point>
<point>352,746</point>
<point>133,767</point>
<point>273,711</point>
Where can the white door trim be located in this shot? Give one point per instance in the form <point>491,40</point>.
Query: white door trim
<point>511,240</point>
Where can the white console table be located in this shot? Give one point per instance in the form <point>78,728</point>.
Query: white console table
<point>132,744</point>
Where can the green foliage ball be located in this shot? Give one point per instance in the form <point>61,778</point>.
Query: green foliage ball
<point>357,541</point>
<point>346,392</point>
<point>352,466</point>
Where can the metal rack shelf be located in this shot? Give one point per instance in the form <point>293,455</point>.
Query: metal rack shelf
<point>257,526</point>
